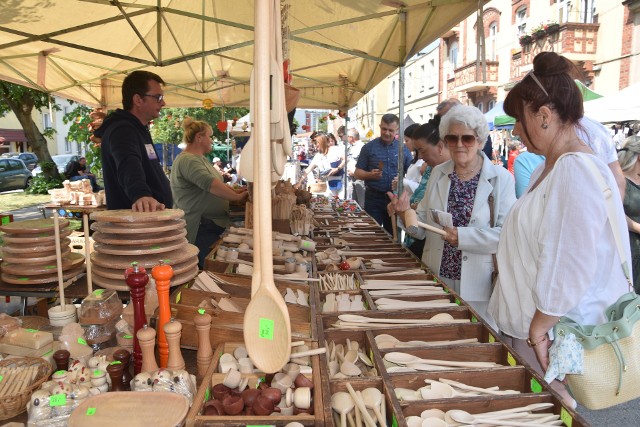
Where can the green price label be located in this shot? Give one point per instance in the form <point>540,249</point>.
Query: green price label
<point>97,373</point>
<point>566,417</point>
<point>127,337</point>
<point>116,362</point>
<point>178,297</point>
<point>371,355</point>
<point>394,421</point>
<point>48,353</point>
<point>5,220</point>
<point>535,386</point>
<point>155,247</point>
<point>474,319</point>
<point>50,267</point>
<point>98,293</point>
<point>82,341</point>
<point>31,330</point>
<point>492,338</point>
<point>58,400</point>
<point>260,380</point>
<point>510,360</point>
<point>207,394</point>
<point>446,291</point>
<point>167,261</point>
<point>60,372</point>
<point>201,310</point>
<point>458,301</point>
<point>1,378</point>
<point>23,279</point>
<point>266,329</point>
<point>91,411</point>
<point>260,425</point>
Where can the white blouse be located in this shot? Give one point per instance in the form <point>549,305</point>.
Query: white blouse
<point>557,252</point>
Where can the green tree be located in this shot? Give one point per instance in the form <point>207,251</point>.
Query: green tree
<point>21,101</point>
<point>80,132</point>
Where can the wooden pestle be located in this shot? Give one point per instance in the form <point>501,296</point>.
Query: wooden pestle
<point>124,357</point>
<point>137,279</point>
<point>162,274</point>
<point>173,332</point>
<point>205,353</point>
<point>147,339</point>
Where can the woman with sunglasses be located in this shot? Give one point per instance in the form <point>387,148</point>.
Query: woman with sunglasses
<point>462,186</point>
<point>557,254</point>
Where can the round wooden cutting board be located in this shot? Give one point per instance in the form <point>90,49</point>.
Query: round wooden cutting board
<point>147,260</point>
<point>42,258</point>
<point>118,274</point>
<point>39,280</point>
<point>47,236</point>
<point>127,215</point>
<point>22,248</point>
<point>121,285</point>
<point>69,261</point>
<point>32,226</point>
<point>134,250</point>
<point>139,239</point>
<point>138,227</point>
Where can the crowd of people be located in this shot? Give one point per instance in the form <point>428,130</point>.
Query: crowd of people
<point>550,263</point>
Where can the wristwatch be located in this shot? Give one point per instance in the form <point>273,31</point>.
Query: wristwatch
<point>533,344</point>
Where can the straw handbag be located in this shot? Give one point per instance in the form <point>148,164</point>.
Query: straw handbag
<point>611,371</point>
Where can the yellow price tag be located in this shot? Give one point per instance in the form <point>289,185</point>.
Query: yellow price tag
<point>566,417</point>
<point>492,338</point>
<point>511,360</point>
<point>178,297</point>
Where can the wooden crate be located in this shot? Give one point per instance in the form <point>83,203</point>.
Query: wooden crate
<point>196,419</point>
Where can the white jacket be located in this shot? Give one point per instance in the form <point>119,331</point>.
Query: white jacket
<point>478,240</point>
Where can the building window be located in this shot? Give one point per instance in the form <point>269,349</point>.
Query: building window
<point>422,76</point>
<point>453,58</point>
<point>490,105</point>
<point>46,121</point>
<point>479,106</point>
<point>394,96</point>
<point>65,110</point>
<point>432,72</point>
<point>521,20</point>
<point>409,85</point>
<point>491,42</point>
<point>67,146</point>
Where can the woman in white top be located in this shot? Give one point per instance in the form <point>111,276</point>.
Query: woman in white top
<point>329,160</point>
<point>557,255</point>
<point>414,172</point>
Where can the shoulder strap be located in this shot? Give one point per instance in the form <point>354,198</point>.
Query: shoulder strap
<point>611,213</point>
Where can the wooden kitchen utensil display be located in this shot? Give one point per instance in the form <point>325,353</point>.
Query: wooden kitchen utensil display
<point>137,279</point>
<point>267,328</point>
<point>162,274</point>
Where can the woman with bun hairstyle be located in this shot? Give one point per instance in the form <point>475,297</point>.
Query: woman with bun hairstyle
<point>199,189</point>
<point>557,254</point>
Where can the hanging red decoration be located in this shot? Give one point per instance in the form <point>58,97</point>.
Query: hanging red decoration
<point>222,125</point>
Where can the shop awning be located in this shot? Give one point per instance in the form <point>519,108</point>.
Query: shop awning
<point>339,49</point>
<point>12,135</point>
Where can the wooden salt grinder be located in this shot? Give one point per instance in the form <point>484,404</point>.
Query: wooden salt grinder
<point>61,357</point>
<point>115,373</point>
<point>162,274</point>
<point>124,357</point>
<point>147,338</point>
<point>173,331</point>
<point>205,354</point>
<point>137,279</point>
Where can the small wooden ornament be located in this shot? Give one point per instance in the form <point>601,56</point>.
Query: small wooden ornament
<point>204,355</point>
<point>147,339</point>
<point>173,331</point>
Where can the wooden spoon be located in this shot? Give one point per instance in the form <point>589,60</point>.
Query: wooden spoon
<point>373,399</point>
<point>405,358</point>
<point>411,221</point>
<point>267,327</point>
<point>342,403</point>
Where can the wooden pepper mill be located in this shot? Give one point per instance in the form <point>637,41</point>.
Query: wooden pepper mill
<point>137,279</point>
<point>162,274</point>
<point>114,370</point>
<point>173,331</point>
<point>205,354</point>
<point>147,339</point>
<point>124,357</point>
<point>61,357</point>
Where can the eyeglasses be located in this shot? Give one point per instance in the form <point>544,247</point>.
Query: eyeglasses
<point>158,98</point>
<point>467,140</point>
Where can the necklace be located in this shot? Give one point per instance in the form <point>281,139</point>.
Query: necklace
<point>469,174</point>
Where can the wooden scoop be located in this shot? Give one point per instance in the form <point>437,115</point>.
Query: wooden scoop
<point>267,327</point>
<point>411,221</point>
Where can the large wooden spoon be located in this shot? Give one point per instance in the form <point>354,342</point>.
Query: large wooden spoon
<point>411,223</point>
<point>267,327</point>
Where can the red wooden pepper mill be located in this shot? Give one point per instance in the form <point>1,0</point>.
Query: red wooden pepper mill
<point>162,274</point>
<point>137,280</point>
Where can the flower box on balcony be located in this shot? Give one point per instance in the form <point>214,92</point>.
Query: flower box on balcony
<point>538,34</point>
<point>525,40</point>
<point>552,28</point>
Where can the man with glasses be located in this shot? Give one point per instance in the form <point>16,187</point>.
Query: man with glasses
<point>377,166</point>
<point>133,176</point>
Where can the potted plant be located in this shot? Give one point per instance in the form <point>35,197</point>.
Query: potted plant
<point>525,39</point>
<point>538,32</point>
<point>551,27</point>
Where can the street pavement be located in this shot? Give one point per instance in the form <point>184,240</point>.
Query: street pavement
<point>625,415</point>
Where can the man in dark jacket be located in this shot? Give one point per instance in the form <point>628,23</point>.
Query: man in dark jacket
<point>133,177</point>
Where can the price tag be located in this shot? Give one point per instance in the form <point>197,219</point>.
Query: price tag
<point>58,400</point>
<point>266,328</point>
<point>260,425</point>
<point>474,319</point>
<point>154,247</point>
<point>91,411</point>
<point>394,421</point>
<point>82,341</point>
<point>207,394</point>
<point>492,338</point>
<point>97,373</point>
<point>566,417</point>
<point>98,293</point>
<point>31,330</point>
<point>127,337</point>
<point>116,362</point>
<point>60,372</point>
<point>510,360</point>
<point>458,301</point>
<point>536,387</point>
<point>260,380</point>
<point>201,310</point>
<point>50,267</point>
<point>24,279</point>
<point>371,355</point>
<point>1,378</point>
<point>446,291</point>
<point>178,297</point>
<point>5,220</point>
<point>48,353</point>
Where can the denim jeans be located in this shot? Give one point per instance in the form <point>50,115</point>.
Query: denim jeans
<point>208,234</point>
<point>375,204</point>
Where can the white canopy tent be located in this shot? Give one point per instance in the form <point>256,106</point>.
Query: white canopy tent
<point>622,106</point>
<point>339,49</point>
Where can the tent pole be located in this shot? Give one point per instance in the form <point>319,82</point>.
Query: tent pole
<point>402,49</point>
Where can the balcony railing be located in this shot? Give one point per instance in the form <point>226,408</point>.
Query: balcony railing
<point>469,77</point>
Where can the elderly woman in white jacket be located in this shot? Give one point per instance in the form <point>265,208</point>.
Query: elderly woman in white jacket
<point>462,258</point>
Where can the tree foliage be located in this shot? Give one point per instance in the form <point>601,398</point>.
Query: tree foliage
<point>21,101</point>
<point>80,132</point>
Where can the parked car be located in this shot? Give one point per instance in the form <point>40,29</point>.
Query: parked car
<point>60,160</point>
<point>29,159</point>
<point>14,174</point>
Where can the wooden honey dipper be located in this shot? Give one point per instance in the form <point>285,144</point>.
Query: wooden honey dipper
<point>162,274</point>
